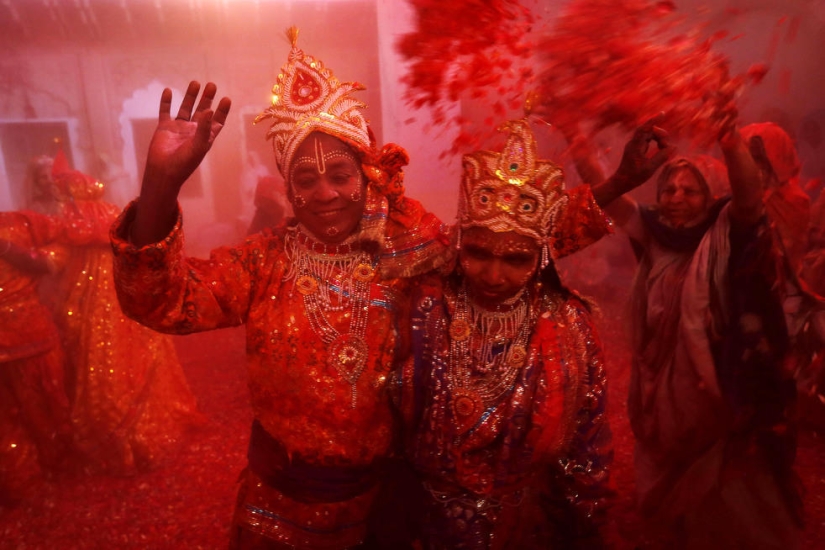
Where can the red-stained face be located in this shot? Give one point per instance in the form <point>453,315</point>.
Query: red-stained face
<point>683,201</point>
<point>496,265</point>
<point>43,183</point>
<point>326,188</point>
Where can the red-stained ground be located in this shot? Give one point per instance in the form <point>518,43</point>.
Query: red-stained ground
<point>187,502</point>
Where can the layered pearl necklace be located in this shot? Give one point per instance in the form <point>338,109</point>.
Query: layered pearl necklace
<point>487,351</point>
<point>331,278</point>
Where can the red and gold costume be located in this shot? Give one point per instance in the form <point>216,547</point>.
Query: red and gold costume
<point>321,323</point>
<point>130,401</point>
<point>505,408</point>
<point>509,479</point>
<point>34,409</point>
<point>322,428</point>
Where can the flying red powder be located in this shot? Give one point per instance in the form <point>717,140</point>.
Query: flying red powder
<point>601,63</point>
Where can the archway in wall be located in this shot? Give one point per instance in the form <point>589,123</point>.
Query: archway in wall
<point>138,118</point>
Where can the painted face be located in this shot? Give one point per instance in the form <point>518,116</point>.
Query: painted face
<point>326,188</point>
<point>682,200</point>
<point>496,265</point>
<point>43,183</point>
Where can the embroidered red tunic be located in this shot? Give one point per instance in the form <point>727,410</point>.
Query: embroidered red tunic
<point>532,464</point>
<point>307,408</point>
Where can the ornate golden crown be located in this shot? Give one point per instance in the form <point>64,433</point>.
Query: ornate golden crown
<point>511,190</point>
<point>308,98</point>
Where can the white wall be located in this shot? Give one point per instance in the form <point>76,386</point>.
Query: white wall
<point>429,178</point>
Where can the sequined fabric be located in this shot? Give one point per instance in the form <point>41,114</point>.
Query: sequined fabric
<point>34,409</point>
<point>308,98</point>
<point>579,223</point>
<point>27,327</point>
<point>129,397</point>
<point>540,453</point>
<point>510,190</point>
<point>514,190</point>
<point>300,399</point>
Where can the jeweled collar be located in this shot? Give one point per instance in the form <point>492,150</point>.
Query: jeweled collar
<point>348,246</point>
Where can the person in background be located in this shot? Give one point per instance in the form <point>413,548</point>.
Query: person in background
<point>787,206</point>
<point>129,398</point>
<point>323,298</point>
<point>809,340</point>
<point>798,228</point>
<point>38,185</point>
<point>263,196</point>
<point>813,264</point>
<point>271,205</point>
<point>35,434</point>
<point>711,400</point>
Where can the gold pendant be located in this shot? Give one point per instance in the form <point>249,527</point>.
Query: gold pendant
<point>518,355</point>
<point>348,354</point>
<point>459,330</point>
<point>363,273</point>
<point>466,407</point>
<point>306,285</point>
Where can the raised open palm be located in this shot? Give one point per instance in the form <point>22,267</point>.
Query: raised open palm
<point>177,148</point>
<point>179,144</point>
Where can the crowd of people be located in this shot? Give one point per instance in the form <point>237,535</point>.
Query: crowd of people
<point>86,389</point>
<point>384,344</point>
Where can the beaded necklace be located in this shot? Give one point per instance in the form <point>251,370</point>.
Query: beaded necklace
<point>487,351</point>
<point>331,278</point>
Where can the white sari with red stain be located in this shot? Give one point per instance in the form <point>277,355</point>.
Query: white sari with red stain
<point>691,480</point>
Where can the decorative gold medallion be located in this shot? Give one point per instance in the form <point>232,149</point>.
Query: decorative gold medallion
<point>348,354</point>
<point>459,330</point>
<point>518,355</point>
<point>306,285</point>
<point>466,405</point>
<point>363,273</point>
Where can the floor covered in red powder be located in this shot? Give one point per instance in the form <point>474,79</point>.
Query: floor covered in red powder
<point>187,502</point>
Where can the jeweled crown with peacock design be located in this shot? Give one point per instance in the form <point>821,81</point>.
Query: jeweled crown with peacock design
<point>308,98</point>
<point>511,190</point>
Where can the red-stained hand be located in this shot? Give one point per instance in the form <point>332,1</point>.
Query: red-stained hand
<point>639,162</point>
<point>177,148</point>
<point>179,145</point>
<point>725,114</point>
